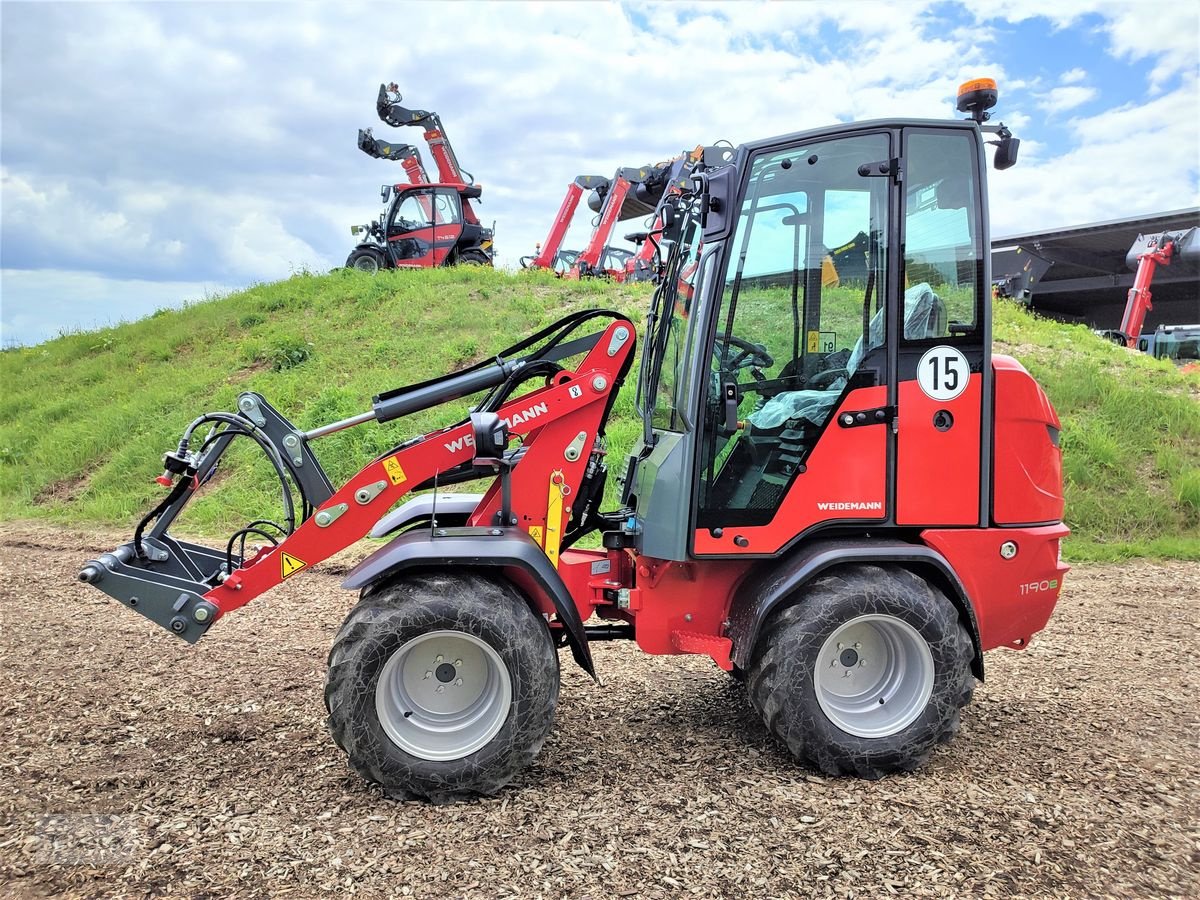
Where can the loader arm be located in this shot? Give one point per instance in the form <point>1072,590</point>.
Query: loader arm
<point>562,222</point>
<point>559,425</point>
<point>405,154</point>
<point>1150,252</point>
<point>391,111</point>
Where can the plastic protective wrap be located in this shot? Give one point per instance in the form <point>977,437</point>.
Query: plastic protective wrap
<point>920,304</point>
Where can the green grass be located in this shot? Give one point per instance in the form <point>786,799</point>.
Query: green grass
<point>1131,438</point>
<point>85,418</point>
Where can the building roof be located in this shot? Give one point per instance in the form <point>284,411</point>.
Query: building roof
<point>1086,275</point>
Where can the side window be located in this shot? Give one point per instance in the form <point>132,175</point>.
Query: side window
<point>674,355</point>
<point>447,208</point>
<point>943,259</point>
<point>799,317</point>
<point>413,212</point>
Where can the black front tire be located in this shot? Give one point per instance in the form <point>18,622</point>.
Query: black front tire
<point>783,679</point>
<point>400,611</point>
<point>365,260</point>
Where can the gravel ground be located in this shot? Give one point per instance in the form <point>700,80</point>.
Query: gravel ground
<point>134,765</point>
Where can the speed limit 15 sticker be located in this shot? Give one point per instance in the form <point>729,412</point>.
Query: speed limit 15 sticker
<point>942,373</point>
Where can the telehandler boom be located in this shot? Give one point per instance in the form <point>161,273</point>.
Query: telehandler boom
<point>839,493</point>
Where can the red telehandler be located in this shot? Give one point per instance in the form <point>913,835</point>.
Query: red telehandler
<point>1149,252</point>
<point>631,192</point>
<point>424,224</point>
<point>550,253</point>
<point>841,496</point>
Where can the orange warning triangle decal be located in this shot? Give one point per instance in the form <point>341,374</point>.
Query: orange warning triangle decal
<point>291,564</point>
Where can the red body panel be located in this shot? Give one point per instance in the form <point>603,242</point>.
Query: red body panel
<point>847,473</point>
<point>937,472</point>
<point>1013,598</point>
<point>1027,463</point>
<point>676,599</point>
<point>441,241</point>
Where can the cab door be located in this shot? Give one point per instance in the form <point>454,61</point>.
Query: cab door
<point>424,227</point>
<point>943,371</point>
<point>795,430</point>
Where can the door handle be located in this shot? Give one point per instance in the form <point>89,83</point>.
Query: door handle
<point>730,392</point>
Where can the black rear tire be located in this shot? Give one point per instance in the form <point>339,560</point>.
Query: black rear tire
<point>487,611</point>
<point>474,258</point>
<point>365,260</point>
<point>785,685</point>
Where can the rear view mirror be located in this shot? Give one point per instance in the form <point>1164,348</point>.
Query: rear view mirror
<point>1006,152</point>
<point>716,189</point>
<point>385,191</point>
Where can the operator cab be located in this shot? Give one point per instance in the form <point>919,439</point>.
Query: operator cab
<point>808,282</point>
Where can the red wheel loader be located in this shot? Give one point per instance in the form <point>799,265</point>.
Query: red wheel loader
<point>839,495</point>
<point>423,224</point>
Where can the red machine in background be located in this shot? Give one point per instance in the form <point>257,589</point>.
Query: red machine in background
<point>1145,256</point>
<point>425,224</point>
<point>632,192</point>
<point>548,252</point>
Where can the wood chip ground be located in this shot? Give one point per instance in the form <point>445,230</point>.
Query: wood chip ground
<point>133,765</point>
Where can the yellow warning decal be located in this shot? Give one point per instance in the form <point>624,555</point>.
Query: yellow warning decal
<point>535,532</point>
<point>814,339</point>
<point>391,465</point>
<point>291,564</point>
<point>554,515</point>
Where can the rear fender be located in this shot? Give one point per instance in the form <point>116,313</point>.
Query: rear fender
<point>775,584</point>
<point>480,548</point>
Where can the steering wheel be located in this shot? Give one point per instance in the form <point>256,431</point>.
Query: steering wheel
<point>749,356</point>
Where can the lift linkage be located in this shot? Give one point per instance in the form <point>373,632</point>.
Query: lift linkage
<point>185,587</point>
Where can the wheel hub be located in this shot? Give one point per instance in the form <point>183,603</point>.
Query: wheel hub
<point>443,695</point>
<point>874,676</point>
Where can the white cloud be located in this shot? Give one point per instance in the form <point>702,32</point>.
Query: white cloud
<point>1137,159</point>
<point>1061,99</point>
<point>214,143</point>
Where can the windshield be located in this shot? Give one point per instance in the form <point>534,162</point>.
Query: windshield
<point>664,367</point>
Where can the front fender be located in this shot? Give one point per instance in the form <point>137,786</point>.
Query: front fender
<point>478,548</point>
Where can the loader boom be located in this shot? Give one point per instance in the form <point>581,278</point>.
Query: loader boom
<point>390,110</point>
<point>1151,251</point>
<point>548,251</point>
<point>405,154</point>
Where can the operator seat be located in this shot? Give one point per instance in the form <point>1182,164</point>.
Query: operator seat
<point>924,317</point>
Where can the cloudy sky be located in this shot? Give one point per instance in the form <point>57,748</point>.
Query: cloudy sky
<point>157,153</point>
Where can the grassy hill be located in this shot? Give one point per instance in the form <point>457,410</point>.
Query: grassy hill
<point>85,418</point>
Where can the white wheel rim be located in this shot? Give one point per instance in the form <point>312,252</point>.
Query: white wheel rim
<point>367,264</point>
<point>443,695</point>
<point>874,676</point>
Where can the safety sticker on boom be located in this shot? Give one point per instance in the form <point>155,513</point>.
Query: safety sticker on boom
<point>290,564</point>
<point>391,465</point>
